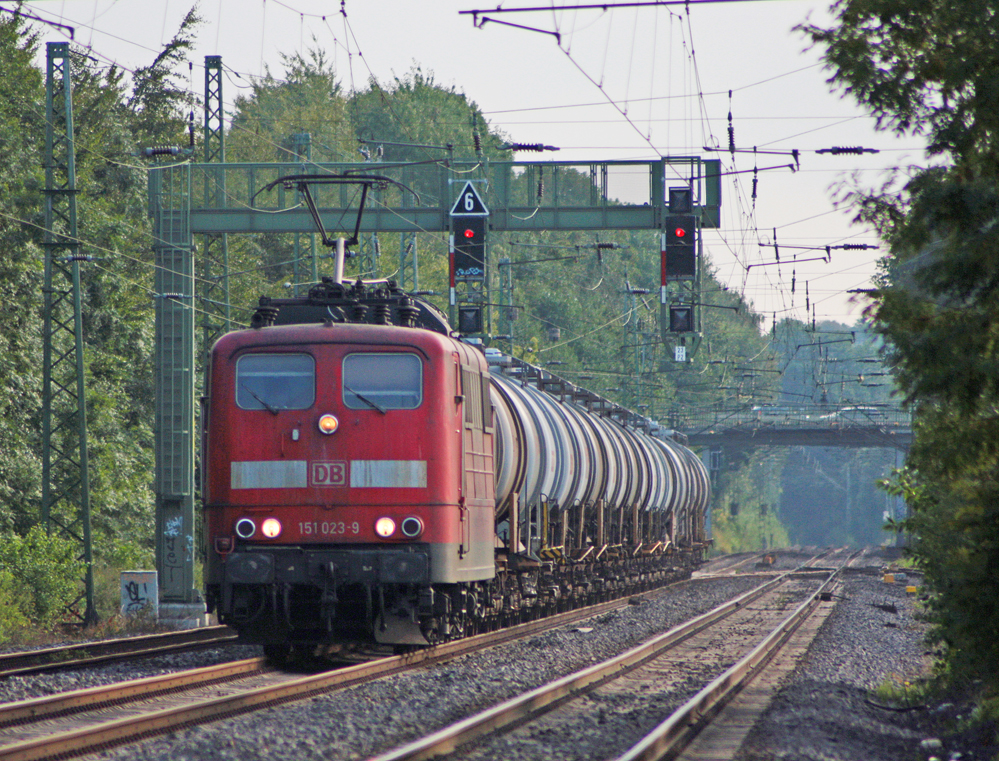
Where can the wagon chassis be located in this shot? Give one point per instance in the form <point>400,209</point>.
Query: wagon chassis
<point>525,589</point>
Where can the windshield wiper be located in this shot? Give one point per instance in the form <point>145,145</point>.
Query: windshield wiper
<point>271,409</point>
<point>365,399</point>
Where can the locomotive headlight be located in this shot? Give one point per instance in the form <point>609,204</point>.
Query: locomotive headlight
<point>245,528</point>
<point>328,424</point>
<point>411,527</point>
<point>385,527</point>
<point>270,528</point>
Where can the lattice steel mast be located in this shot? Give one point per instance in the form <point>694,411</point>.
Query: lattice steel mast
<point>65,467</point>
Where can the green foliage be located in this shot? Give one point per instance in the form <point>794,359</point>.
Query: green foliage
<point>12,618</point>
<point>904,693</point>
<point>830,496</point>
<point>22,108</point>
<point>425,118</point>
<point>46,572</point>
<point>925,68</point>
<point>307,99</point>
<point>158,92</point>
<point>745,514</point>
<point>930,68</point>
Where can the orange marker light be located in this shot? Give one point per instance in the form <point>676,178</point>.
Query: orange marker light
<point>328,424</point>
<point>385,527</point>
<point>270,528</point>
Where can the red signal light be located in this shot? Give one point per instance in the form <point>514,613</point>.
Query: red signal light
<point>680,232</point>
<point>469,233</point>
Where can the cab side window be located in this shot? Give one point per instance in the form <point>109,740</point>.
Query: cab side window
<point>275,382</point>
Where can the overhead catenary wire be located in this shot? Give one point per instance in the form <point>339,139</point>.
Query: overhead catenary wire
<point>366,62</point>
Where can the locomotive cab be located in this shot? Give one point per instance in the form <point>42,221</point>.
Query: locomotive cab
<point>349,491</point>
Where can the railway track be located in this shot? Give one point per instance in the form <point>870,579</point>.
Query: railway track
<point>101,717</point>
<point>746,631</point>
<point>89,654</point>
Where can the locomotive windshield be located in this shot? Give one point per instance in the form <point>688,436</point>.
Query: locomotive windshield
<point>275,382</point>
<point>382,381</point>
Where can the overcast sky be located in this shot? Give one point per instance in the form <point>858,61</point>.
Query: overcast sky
<point>669,69</point>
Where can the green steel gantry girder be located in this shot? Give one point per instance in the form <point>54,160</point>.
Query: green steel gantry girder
<point>65,505</point>
<point>216,199</point>
<point>521,196</point>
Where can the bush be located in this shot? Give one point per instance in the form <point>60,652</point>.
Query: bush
<point>11,617</point>
<point>45,576</point>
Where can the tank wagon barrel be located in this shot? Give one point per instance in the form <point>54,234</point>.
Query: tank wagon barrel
<point>553,452</point>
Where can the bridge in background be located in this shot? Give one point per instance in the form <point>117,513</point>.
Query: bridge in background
<point>857,426</point>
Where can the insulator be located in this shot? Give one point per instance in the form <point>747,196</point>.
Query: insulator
<point>541,185</point>
<point>755,182</point>
<point>161,150</point>
<point>381,314</point>
<point>478,142</point>
<point>731,129</point>
<point>838,150</point>
<point>264,317</point>
<point>535,147</point>
<point>856,246</point>
<point>794,277</point>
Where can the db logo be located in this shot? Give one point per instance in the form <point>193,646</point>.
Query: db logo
<point>328,474</point>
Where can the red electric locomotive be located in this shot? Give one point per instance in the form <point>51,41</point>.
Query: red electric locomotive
<point>348,477</point>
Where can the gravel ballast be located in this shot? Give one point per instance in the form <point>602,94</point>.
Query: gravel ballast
<point>824,711</point>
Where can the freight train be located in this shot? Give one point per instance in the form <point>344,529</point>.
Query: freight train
<point>370,476</point>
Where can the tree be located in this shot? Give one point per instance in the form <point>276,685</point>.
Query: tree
<point>308,98</point>
<point>111,115</point>
<point>159,94</point>
<point>932,68</point>
<point>22,109</point>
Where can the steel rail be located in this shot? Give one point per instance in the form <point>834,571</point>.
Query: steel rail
<point>676,732</point>
<point>555,693</point>
<point>74,701</point>
<point>89,653</point>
